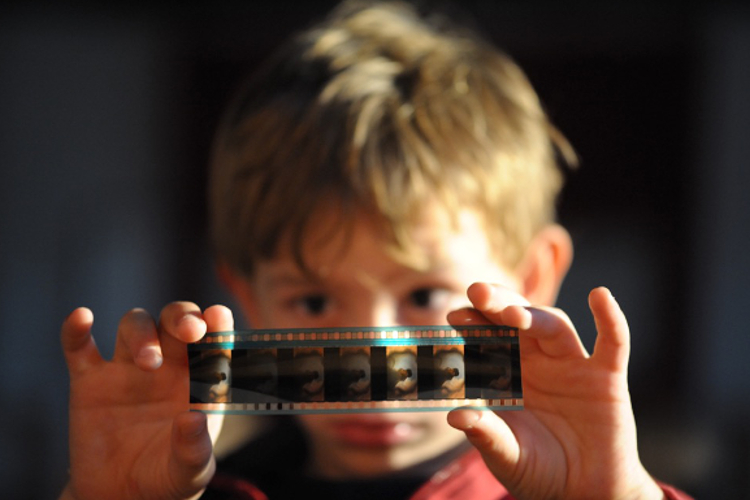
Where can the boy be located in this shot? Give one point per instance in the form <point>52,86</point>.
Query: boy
<point>380,170</point>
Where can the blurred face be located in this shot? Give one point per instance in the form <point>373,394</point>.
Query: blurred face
<point>360,284</point>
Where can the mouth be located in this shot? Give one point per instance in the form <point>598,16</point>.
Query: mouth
<point>374,432</point>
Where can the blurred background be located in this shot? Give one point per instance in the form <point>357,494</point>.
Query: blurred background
<point>106,116</point>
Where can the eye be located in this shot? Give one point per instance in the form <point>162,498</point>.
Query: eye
<point>314,305</point>
<point>421,297</point>
<point>428,298</point>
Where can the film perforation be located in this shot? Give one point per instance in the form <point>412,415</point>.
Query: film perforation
<point>368,369</point>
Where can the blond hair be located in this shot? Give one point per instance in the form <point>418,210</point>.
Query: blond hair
<point>379,109</point>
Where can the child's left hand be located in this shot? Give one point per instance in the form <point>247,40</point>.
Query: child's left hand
<point>576,437</point>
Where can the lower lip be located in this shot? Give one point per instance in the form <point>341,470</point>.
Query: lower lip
<point>369,434</point>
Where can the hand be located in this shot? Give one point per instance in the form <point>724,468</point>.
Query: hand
<point>131,434</point>
<point>576,437</point>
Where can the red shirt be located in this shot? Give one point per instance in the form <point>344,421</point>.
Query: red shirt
<point>462,479</point>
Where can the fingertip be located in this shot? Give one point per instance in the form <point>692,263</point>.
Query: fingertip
<point>484,429</point>
<point>78,345</point>
<point>466,316</point>
<point>612,345</point>
<point>192,440</point>
<point>219,309</point>
<point>80,316</point>
<point>519,316</point>
<point>218,318</point>
<point>491,436</point>
<point>603,304</point>
<point>190,327</point>
<point>76,328</point>
<point>493,298</point>
<point>182,321</point>
<point>480,294</point>
<point>600,293</point>
<point>192,465</point>
<point>464,419</point>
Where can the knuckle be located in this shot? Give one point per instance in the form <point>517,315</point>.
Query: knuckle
<point>177,309</point>
<point>135,322</point>
<point>183,305</point>
<point>136,318</point>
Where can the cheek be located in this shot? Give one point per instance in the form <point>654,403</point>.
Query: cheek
<point>316,424</point>
<point>436,421</point>
<point>433,424</point>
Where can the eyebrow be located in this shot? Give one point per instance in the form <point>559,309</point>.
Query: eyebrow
<point>287,277</point>
<point>291,276</point>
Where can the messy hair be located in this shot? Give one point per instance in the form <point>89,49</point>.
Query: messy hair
<point>380,109</point>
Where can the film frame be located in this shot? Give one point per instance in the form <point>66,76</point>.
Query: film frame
<point>356,370</point>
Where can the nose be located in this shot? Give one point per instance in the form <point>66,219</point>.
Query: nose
<point>378,311</point>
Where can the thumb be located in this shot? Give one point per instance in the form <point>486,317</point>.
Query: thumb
<point>491,436</point>
<point>192,464</point>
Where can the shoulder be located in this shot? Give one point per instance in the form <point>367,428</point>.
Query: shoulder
<point>465,478</point>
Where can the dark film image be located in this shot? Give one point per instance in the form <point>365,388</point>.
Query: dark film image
<point>402,372</point>
<point>497,372</point>
<point>255,376</point>
<point>355,373</point>
<point>210,376</point>
<point>308,381</point>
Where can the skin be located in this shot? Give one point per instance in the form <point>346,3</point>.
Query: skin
<point>131,435</point>
<point>363,286</point>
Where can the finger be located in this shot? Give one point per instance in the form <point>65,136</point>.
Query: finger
<point>180,323</point>
<point>493,304</point>
<point>551,328</point>
<point>137,341</point>
<point>183,321</point>
<point>492,298</point>
<point>218,318</point>
<point>467,316</point>
<point>78,345</point>
<point>612,345</point>
<point>554,333</point>
<point>500,304</point>
<point>490,435</point>
<point>191,463</point>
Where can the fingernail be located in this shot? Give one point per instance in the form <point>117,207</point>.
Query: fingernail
<point>150,357</point>
<point>465,419</point>
<point>472,418</point>
<point>189,323</point>
<point>188,319</point>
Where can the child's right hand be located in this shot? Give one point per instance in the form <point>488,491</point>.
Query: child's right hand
<point>131,434</point>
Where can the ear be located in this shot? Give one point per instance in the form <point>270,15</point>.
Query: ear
<point>545,265</point>
<point>242,290</point>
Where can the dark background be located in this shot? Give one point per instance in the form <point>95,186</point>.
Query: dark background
<point>106,115</point>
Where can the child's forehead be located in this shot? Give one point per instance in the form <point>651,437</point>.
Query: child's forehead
<point>430,220</point>
<point>431,225</point>
<point>435,239</point>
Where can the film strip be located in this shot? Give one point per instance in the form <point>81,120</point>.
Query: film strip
<point>339,370</point>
